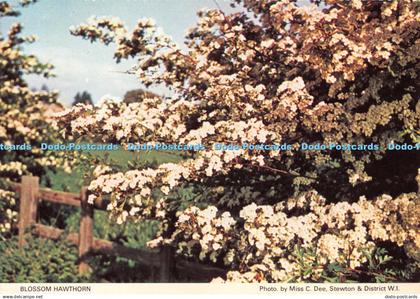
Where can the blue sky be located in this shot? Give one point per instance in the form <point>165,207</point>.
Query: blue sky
<point>80,65</point>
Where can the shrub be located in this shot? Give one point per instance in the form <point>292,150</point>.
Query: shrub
<point>41,260</point>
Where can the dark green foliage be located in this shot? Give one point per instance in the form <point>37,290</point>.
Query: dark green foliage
<point>41,260</point>
<point>117,269</point>
<point>83,98</point>
<point>382,266</point>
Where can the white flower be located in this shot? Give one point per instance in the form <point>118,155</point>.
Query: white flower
<point>91,199</point>
<point>216,246</point>
<point>248,212</point>
<point>268,43</point>
<point>165,190</point>
<point>226,220</point>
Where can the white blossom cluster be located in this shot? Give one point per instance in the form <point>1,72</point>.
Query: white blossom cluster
<point>261,241</point>
<point>203,228</point>
<point>24,113</point>
<point>8,214</point>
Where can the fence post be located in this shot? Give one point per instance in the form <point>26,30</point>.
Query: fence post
<point>167,264</point>
<point>86,230</point>
<point>28,206</point>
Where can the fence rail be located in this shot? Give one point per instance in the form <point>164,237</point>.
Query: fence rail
<point>163,260</point>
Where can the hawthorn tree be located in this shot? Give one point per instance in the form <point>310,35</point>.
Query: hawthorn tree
<point>24,120</point>
<point>336,72</point>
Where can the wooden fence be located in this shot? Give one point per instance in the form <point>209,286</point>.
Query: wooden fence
<point>162,261</point>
